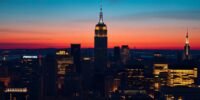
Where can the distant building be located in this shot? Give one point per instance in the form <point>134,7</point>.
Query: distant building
<point>186,55</point>
<point>182,76</point>
<point>131,81</point>
<point>76,54</point>
<point>160,75</point>
<point>125,54</point>
<point>159,58</point>
<point>117,54</point>
<point>175,75</point>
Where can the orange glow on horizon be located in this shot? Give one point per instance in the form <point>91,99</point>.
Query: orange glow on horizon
<point>61,37</point>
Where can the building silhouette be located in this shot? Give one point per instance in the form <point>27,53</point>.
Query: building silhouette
<point>100,52</point>
<point>100,57</point>
<point>76,54</point>
<point>125,54</point>
<point>64,65</point>
<point>30,75</point>
<point>117,56</point>
<point>49,77</point>
<point>186,55</point>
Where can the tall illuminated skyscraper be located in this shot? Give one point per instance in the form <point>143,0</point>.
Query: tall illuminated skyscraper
<point>100,57</point>
<point>100,52</point>
<point>186,55</point>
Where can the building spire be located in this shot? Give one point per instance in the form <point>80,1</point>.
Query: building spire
<point>101,13</point>
<point>187,37</point>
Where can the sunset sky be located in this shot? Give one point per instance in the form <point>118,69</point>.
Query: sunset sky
<point>144,24</point>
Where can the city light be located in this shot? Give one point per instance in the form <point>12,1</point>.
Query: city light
<point>16,90</point>
<point>30,57</point>
<point>62,52</point>
<point>55,50</point>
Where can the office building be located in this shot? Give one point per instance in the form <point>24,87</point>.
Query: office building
<point>100,46</point>
<point>186,54</point>
<point>76,54</point>
<point>64,65</point>
<point>125,54</point>
<point>182,76</point>
<point>31,75</point>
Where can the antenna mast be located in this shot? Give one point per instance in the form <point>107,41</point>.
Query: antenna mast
<point>101,12</point>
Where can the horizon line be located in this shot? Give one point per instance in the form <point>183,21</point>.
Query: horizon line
<point>93,48</point>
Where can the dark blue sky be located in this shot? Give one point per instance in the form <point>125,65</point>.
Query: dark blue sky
<point>69,10</point>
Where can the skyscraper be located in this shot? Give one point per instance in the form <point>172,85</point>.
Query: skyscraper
<point>117,56</point>
<point>49,77</point>
<point>125,54</point>
<point>64,62</point>
<point>186,55</point>
<point>100,57</point>
<point>30,75</point>
<point>100,52</point>
<point>76,54</point>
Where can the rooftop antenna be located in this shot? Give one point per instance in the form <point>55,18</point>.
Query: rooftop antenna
<point>187,37</point>
<point>101,12</point>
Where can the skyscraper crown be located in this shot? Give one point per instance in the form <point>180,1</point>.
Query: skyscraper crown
<point>187,38</point>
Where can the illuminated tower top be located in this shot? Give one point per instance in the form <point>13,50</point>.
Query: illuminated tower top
<point>187,38</point>
<point>101,28</point>
<point>100,44</point>
<point>187,48</point>
<point>101,14</point>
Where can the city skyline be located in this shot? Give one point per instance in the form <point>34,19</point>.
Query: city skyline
<point>128,50</point>
<point>57,24</point>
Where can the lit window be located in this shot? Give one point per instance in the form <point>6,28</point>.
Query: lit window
<point>104,28</point>
<point>97,28</point>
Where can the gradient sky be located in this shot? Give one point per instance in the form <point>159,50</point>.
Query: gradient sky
<point>144,24</point>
